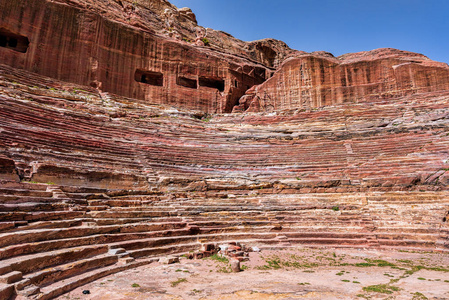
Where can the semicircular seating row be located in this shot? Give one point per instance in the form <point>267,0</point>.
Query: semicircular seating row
<point>55,237</point>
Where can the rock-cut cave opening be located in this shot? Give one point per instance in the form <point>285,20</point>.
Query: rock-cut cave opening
<point>187,82</point>
<point>149,77</point>
<point>218,84</point>
<point>13,41</point>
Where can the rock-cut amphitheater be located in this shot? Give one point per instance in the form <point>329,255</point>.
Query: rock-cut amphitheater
<point>128,132</point>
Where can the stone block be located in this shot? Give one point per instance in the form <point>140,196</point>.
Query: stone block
<point>116,251</point>
<point>6,291</point>
<point>11,277</point>
<point>169,260</point>
<point>235,265</point>
<point>29,291</point>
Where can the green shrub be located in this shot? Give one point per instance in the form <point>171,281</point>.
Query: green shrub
<point>381,263</point>
<point>381,288</point>
<point>218,258</point>
<point>175,283</point>
<point>419,296</point>
<point>205,41</point>
<point>364,265</point>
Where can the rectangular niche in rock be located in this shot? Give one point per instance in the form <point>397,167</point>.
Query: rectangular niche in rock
<point>149,77</point>
<point>13,41</point>
<point>218,84</point>
<point>187,82</point>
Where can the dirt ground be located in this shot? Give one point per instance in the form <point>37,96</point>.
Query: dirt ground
<point>300,273</point>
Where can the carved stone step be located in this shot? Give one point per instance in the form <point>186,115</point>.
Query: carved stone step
<point>29,291</point>
<point>116,251</point>
<point>6,291</point>
<point>58,288</point>
<point>11,277</point>
<point>64,271</point>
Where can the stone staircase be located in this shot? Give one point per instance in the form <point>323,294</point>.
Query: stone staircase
<point>50,244</point>
<point>87,190</point>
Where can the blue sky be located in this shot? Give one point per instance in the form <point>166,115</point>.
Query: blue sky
<point>338,27</point>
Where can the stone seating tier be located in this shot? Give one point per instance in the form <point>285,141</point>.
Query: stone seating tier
<point>90,187</point>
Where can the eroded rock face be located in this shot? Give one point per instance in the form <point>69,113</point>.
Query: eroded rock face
<point>8,169</point>
<point>153,52</point>
<point>144,50</point>
<point>93,183</point>
<point>109,183</point>
<point>319,79</point>
<point>127,144</point>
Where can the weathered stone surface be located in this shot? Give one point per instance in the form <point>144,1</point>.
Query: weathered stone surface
<point>154,58</point>
<point>11,277</point>
<point>352,175</point>
<point>93,183</point>
<point>235,265</point>
<point>7,169</point>
<point>169,260</point>
<point>6,291</point>
<point>318,79</point>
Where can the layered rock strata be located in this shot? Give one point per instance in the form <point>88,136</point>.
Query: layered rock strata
<point>139,49</point>
<point>162,56</point>
<point>99,172</point>
<point>94,184</point>
<point>318,79</point>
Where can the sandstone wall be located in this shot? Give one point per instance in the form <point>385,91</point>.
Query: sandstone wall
<point>68,136</point>
<point>90,187</point>
<point>77,45</point>
<point>318,79</point>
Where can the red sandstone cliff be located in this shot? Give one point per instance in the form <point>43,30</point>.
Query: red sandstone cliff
<point>93,183</point>
<point>135,49</point>
<point>319,79</point>
<point>151,51</point>
<point>147,50</point>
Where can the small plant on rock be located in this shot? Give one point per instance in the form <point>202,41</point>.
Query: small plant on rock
<point>175,283</point>
<point>206,118</point>
<point>364,265</point>
<point>381,263</point>
<point>218,258</point>
<point>419,296</point>
<point>381,288</point>
<point>206,42</point>
<point>225,269</point>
